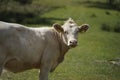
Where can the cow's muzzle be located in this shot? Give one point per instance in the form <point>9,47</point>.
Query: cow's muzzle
<point>72,43</point>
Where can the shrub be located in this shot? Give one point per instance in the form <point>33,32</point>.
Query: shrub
<point>105,27</point>
<point>117,27</point>
<point>107,13</point>
<point>93,15</point>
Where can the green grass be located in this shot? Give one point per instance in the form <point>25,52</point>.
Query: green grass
<point>85,62</point>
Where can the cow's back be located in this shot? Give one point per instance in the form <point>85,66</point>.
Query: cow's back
<point>22,46</point>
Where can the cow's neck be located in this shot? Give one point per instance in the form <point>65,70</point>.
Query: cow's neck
<point>63,49</point>
<point>62,46</point>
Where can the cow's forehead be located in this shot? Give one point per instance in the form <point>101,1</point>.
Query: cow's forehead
<point>70,24</point>
<point>70,20</point>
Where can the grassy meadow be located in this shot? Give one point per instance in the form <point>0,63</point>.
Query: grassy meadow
<point>91,59</point>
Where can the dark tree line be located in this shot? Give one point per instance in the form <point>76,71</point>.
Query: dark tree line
<point>20,11</point>
<point>19,1</point>
<point>114,3</point>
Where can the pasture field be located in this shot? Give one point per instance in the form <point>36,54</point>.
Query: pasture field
<point>91,59</point>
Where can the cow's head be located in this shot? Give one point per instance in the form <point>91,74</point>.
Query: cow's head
<point>70,31</point>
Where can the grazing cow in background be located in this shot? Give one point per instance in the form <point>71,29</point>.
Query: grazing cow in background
<point>23,48</point>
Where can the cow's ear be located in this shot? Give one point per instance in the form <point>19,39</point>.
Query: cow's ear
<point>58,27</point>
<point>83,28</point>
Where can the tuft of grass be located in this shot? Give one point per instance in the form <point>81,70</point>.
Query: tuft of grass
<point>117,27</point>
<point>105,27</point>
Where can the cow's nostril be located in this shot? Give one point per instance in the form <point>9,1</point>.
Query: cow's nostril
<point>75,42</point>
<point>71,42</point>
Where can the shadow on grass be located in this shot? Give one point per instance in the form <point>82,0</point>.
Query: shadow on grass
<point>97,4</point>
<point>33,17</point>
<point>44,20</point>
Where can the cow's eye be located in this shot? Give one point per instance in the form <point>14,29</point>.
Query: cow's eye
<point>71,26</point>
<point>66,32</point>
<point>77,31</point>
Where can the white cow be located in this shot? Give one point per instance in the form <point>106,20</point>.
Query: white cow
<point>23,48</point>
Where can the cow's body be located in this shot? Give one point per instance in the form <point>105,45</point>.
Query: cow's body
<point>23,48</point>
